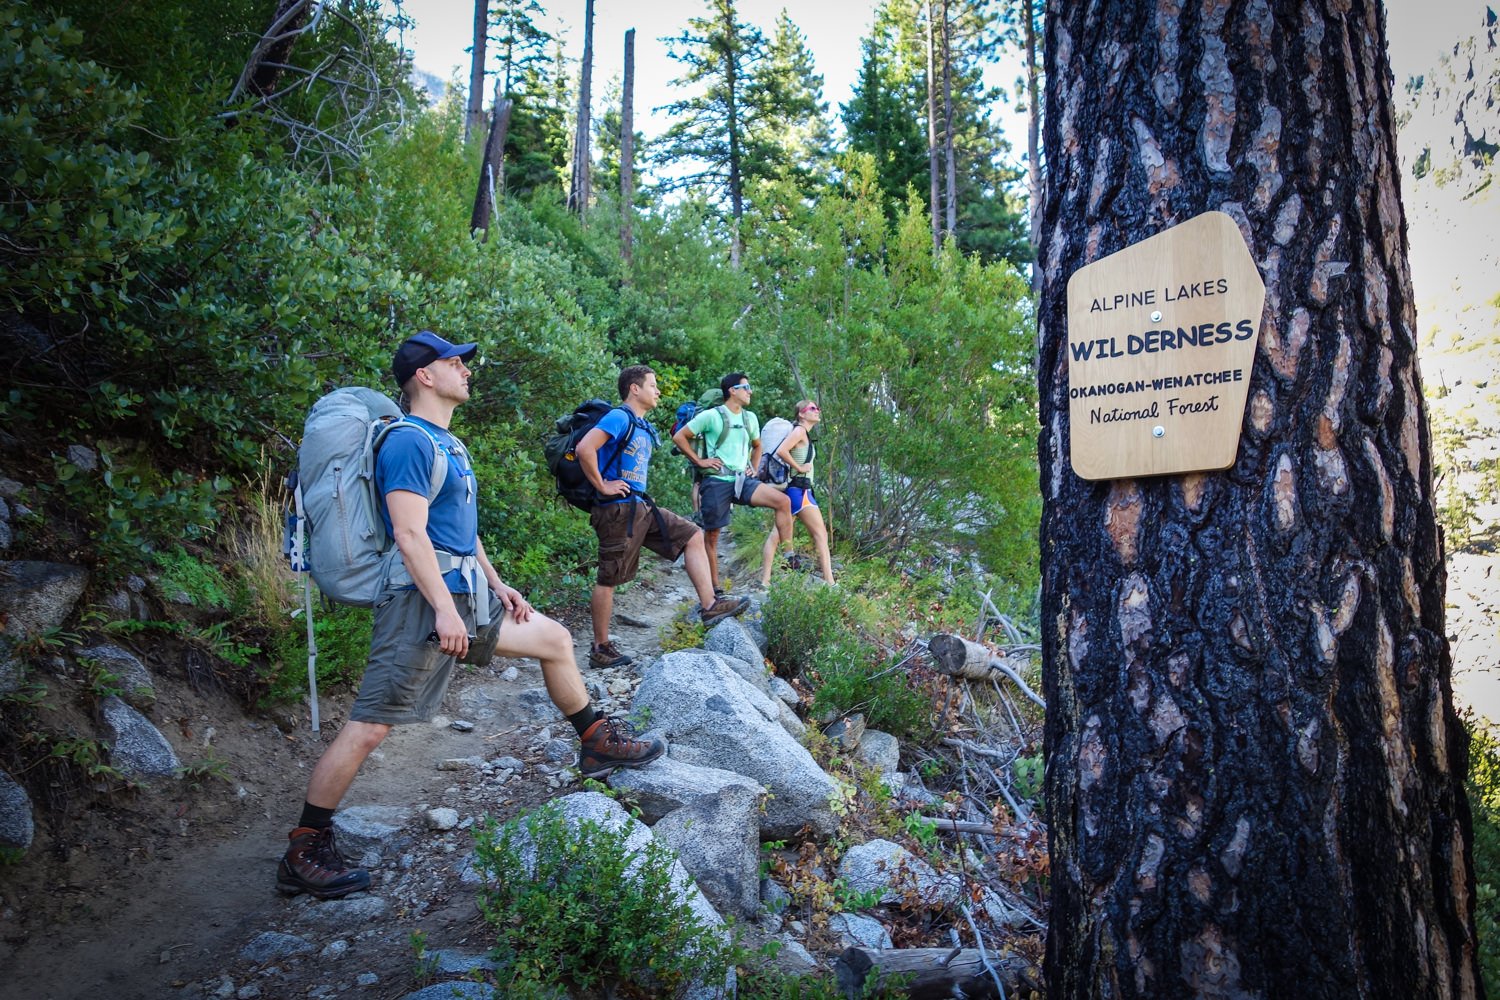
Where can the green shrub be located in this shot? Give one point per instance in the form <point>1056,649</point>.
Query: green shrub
<point>799,617</point>
<point>343,637</point>
<point>181,572</point>
<point>577,909</point>
<point>1484,801</point>
<point>852,674</point>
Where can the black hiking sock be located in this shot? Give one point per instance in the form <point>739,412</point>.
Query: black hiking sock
<point>316,816</point>
<point>583,718</point>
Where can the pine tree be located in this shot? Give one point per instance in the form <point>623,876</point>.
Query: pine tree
<point>539,140</point>
<point>720,53</point>
<point>789,137</point>
<point>888,117</point>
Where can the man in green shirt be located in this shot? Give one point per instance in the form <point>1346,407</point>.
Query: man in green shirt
<point>731,458</point>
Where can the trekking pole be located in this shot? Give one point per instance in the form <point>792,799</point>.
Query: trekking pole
<point>312,651</point>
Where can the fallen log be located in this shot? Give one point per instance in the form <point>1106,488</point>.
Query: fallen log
<point>934,973</point>
<point>958,657</point>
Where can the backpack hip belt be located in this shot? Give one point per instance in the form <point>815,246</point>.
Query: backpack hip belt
<point>397,575</point>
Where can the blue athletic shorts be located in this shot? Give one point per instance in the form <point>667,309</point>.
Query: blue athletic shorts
<point>800,498</point>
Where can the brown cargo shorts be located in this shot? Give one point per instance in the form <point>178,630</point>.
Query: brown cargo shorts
<point>407,677</point>
<point>623,528</point>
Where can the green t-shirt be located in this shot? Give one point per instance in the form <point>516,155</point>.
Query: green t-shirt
<point>744,431</point>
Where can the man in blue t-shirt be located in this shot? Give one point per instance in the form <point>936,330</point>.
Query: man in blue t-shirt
<point>441,591</point>
<point>616,457</point>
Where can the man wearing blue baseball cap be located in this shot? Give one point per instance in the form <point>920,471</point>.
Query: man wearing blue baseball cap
<point>443,594</point>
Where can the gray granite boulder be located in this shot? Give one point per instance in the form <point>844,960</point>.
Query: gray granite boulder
<point>716,839</point>
<point>881,751</point>
<point>894,872</point>
<point>137,689</point>
<point>38,596</point>
<point>6,535</point>
<point>714,718</point>
<point>137,748</point>
<point>16,824</point>
<point>730,638</point>
<point>668,784</point>
<point>856,931</point>
<point>784,691</point>
<point>382,830</point>
<point>755,676</point>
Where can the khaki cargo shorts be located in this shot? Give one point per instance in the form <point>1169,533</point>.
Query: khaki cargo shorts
<point>624,528</point>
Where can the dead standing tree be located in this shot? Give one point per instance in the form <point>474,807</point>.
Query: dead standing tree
<point>578,186</point>
<point>1255,773</point>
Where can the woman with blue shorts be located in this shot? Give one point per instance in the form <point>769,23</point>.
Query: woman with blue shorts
<point>797,452</point>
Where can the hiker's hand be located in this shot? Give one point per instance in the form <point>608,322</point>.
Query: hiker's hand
<point>510,598</point>
<point>453,634</point>
<point>713,465</point>
<point>615,488</point>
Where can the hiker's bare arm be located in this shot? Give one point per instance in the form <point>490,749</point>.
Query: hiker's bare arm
<point>792,440</point>
<point>510,597</point>
<point>754,457</point>
<point>681,439</point>
<point>409,529</point>
<point>588,461</point>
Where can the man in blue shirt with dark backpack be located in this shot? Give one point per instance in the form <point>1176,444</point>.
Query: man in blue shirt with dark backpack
<point>440,589</point>
<point>625,519</point>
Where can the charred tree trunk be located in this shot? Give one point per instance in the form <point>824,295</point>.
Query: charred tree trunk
<point>1033,129</point>
<point>492,169</point>
<point>627,152</point>
<point>273,50</point>
<point>474,120</point>
<point>932,145</point>
<point>1255,773</point>
<point>578,190</point>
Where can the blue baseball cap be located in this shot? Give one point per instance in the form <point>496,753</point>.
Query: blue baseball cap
<point>423,349</point>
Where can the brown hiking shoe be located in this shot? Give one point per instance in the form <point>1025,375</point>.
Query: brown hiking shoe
<point>312,864</point>
<point>608,655</point>
<point>610,743</point>
<point>724,607</point>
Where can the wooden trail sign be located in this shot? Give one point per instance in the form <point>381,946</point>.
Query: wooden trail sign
<point>1161,338</point>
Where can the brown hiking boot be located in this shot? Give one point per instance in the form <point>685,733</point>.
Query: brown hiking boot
<point>608,655</point>
<point>724,607</point>
<point>610,743</point>
<point>312,864</point>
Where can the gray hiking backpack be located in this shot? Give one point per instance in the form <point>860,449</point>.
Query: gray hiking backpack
<point>773,471</point>
<point>335,533</point>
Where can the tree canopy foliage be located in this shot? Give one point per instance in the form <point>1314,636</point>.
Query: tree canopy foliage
<point>181,278</point>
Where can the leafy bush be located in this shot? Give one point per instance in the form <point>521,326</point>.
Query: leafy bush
<point>343,637</point>
<point>577,909</point>
<point>800,617</point>
<point>851,674</point>
<point>1484,801</point>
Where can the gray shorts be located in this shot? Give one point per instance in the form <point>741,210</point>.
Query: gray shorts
<point>407,677</point>
<point>715,496</point>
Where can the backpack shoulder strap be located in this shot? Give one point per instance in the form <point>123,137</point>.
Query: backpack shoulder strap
<point>621,439</point>
<point>723,412</point>
<point>439,455</point>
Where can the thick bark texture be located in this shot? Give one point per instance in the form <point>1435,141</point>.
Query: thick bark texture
<point>1255,772</point>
